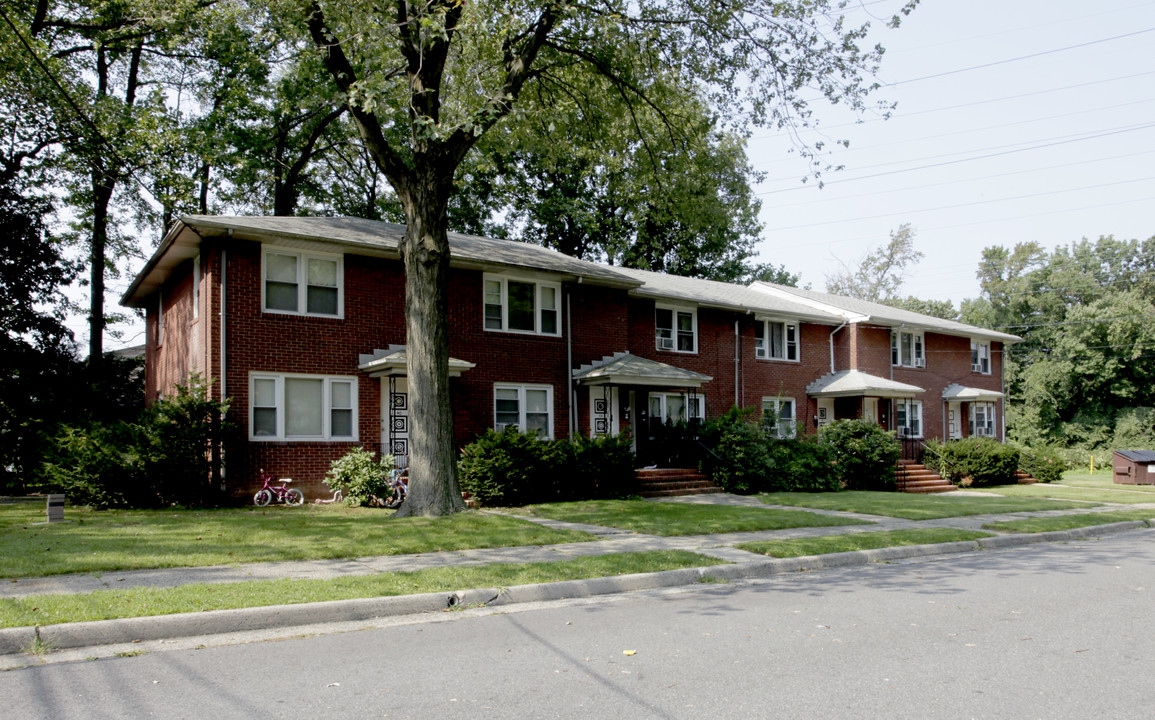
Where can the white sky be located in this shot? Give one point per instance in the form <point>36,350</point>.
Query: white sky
<point>1017,120</point>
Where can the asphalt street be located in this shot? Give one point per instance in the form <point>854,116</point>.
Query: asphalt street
<point>1045,631</point>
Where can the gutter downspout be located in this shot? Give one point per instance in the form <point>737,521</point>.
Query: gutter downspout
<point>737,368</point>
<point>224,396</point>
<point>571,391</point>
<point>1003,390</point>
<point>832,334</point>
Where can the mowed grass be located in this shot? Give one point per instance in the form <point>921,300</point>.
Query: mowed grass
<point>826,544</point>
<point>670,519</point>
<point>1067,492</point>
<point>1069,522</point>
<point>133,539</point>
<point>145,601</point>
<point>1102,478</point>
<point>915,507</point>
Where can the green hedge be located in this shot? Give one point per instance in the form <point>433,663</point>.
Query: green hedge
<point>984,460</point>
<point>865,455</point>
<point>513,468</point>
<point>744,459</point>
<point>1043,464</point>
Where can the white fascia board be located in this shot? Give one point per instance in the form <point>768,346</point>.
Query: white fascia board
<point>846,315</point>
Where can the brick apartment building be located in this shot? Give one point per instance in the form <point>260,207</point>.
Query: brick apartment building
<point>300,321</point>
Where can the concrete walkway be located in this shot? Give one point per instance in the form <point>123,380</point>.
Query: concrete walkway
<point>742,565</point>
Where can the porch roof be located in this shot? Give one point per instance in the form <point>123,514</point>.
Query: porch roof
<point>961,393</point>
<point>628,369</point>
<point>394,362</point>
<point>855,383</point>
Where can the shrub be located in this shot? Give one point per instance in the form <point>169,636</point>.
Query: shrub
<point>985,460</point>
<point>600,468</point>
<point>744,459</point>
<point>163,458</point>
<point>1043,464</point>
<point>804,464</point>
<point>865,455</point>
<point>360,476</point>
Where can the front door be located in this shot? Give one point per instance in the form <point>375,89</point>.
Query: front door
<point>395,416</point>
<point>954,420</point>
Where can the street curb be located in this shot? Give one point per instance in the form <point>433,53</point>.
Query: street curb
<point>216,622</point>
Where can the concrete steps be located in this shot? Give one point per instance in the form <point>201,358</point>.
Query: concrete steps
<point>670,482</point>
<point>913,477</point>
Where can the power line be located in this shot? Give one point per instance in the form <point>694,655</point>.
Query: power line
<point>1021,57</point>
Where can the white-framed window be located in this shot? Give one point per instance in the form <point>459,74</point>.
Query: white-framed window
<point>780,416</point>
<point>302,407</point>
<point>528,408</point>
<point>983,419</point>
<point>301,283</point>
<point>526,306</point>
<point>908,418</point>
<point>676,329</point>
<point>980,357</point>
<point>677,407</point>
<point>906,349</point>
<point>196,287</point>
<point>776,340</point>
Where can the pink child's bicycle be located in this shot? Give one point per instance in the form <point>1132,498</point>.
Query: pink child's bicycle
<point>281,493</point>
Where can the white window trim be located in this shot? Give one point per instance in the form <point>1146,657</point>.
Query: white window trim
<point>196,287</point>
<point>913,408</point>
<point>521,405</point>
<point>697,400</point>
<point>917,340</point>
<point>159,318</point>
<point>774,405</point>
<point>537,308</point>
<point>326,411</point>
<point>675,309</point>
<point>981,346</point>
<point>303,281</point>
<point>988,413</point>
<point>763,353</point>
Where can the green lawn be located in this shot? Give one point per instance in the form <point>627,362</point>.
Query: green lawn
<point>131,539</point>
<point>1102,479</point>
<point>825,544</point>
<point>145,601</point>
<point>1067,522</point>
<point>670,519</point>
<point>1087,493</point>
<point>914,507</point>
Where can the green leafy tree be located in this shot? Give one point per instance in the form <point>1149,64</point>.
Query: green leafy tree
<point>425,82</point>
<point>879,276</point>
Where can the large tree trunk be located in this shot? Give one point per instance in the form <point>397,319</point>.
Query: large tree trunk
<point>433,487</point>
<point>102,188</point>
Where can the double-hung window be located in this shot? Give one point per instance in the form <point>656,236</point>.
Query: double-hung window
<point>302,407</point>
<point>676,329</point>
<point>776,340</point>
<point>908,417</point>
<point>779,417</point>
<point>983,419</point>
<point>528,408</point>
<point>677,407</point>
<point>906,349</point>
<point>980,357</point>
<point>302,283</point>
<point>522,305</point>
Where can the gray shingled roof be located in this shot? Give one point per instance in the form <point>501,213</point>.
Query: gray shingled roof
<point>954,391</point>
<point>628,369</point>
<point>855,383</point>
<point>728,296</point>
<point>891,316</point>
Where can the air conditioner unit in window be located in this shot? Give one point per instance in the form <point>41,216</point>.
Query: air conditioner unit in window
<point>976,367</point>
<point>500,427</point>
<point>665,343</point>
<point>920,362</point>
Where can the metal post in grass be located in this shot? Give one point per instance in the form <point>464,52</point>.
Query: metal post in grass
<point>56,508</point>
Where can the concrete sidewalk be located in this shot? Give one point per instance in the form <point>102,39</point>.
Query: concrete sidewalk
<point>743,565</point>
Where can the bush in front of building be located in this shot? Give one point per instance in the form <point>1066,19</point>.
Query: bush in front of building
<point>979,460</point>
<point>743,458</point>
<point>1043,464</point>
<point>865,455</point>
<point>360,476</point>
<point>512,468</point>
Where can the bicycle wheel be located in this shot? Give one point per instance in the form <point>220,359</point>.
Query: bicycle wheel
<point>396,496</point>
<point>294,497</point>
<point>262,498</point>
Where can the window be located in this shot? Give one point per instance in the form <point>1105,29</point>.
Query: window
<point>521,306</point>
<point>906,349</point>
<point>774,340</point>
<point>528,408</point>
<point>302,284</point>
<point>779,417</point>
<point>677,407</point>
<point>983,419</point>
<point>908,417</point>
<point>676,329</point>
<point>980,357</point>
<point>302,407</point>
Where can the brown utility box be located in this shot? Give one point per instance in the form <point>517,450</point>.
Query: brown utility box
<point>1134,467</point>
